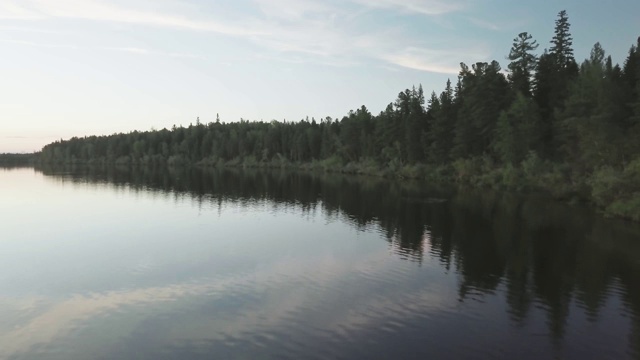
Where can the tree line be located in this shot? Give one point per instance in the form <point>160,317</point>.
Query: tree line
<point>548,123</point>
<point>10,160</point>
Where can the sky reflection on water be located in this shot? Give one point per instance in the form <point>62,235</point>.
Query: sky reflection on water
<point>192,264</point>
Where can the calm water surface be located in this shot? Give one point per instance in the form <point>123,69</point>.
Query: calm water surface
<point>169,264</point>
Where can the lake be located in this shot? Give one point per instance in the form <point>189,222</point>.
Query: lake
<point>210,264</point>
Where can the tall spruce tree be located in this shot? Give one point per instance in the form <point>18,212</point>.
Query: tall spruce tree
<point>484,94</point>
<point>415,125</point>
<point>543,83</point>
<point>523,63</point>
<point>556,70</point>
<point>562,42</point>
<point>429,137</point>
<point>443,125</point>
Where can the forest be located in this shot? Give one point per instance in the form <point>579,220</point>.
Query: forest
<point>545,124</point>
<point>10,160</point>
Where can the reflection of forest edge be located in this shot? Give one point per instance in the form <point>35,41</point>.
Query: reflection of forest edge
<point>542,252</point>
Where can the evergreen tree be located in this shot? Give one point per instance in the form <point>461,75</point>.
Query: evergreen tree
<point>546,95</point>
<point>415,125</point>
<point>631,80</point>
<point>518,130</point>
<point>443,125</point>
<point>429,137</point>
<point>562,42</point>
<point>485,93</point>
<point>523,63</point>
<point>463,132</point>
<point>555,71</point>
<point>587,129</point>
<point>631,83</point>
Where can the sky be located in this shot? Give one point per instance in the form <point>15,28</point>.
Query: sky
<point>97,67</point>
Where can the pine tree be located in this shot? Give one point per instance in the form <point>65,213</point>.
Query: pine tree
<point>518,130</point>
<point>556,69</point>
<point>523,63</point>
<point>631,80</point>
<point>543,83</point>
<point>631,77</point>
<point>463,132</point>
<point>484,93</point>
<point>587,128</point>
<point>562,41</point>
<point>443,124</point>
<point>415,125</point>
<point>429,137</point>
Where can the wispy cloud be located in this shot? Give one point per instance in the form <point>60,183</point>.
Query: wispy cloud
<point>10,10</point>
<point>124,49</point>
<point>131,50</point>
<point>295,10</point>
<point>103,11</point>
<point>419,59</point>
<point>313,31</point>
<point>301,59</point>
<point>24,29</point>
<point>425,7</point>
<point>437,61</point>
<point>144,51</point>
<point>37,44</point>
<point>184,55</point>
<point>484,24</point>
<point>317,30</point>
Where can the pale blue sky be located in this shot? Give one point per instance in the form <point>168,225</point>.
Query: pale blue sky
<point>83,67</point>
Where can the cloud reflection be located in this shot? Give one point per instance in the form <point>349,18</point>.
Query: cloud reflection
<point>277,296</point>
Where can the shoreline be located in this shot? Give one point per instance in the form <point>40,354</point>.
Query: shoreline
<point>557,182</point>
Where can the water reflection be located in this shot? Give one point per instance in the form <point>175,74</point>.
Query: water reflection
<point>564,273</point>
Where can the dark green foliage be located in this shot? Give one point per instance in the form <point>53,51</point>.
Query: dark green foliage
<point>618,191</point>
<point>545,90</point>
<point>484,94</point>
<point>523,63</point>
<point>589,129</point>
<point>11,160</point>
<point>519,131</point>
<point>555,71</point>
<point>562,41</point>
<point>442,116</point>
<point>630,81</point>
<point>550,125</point>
